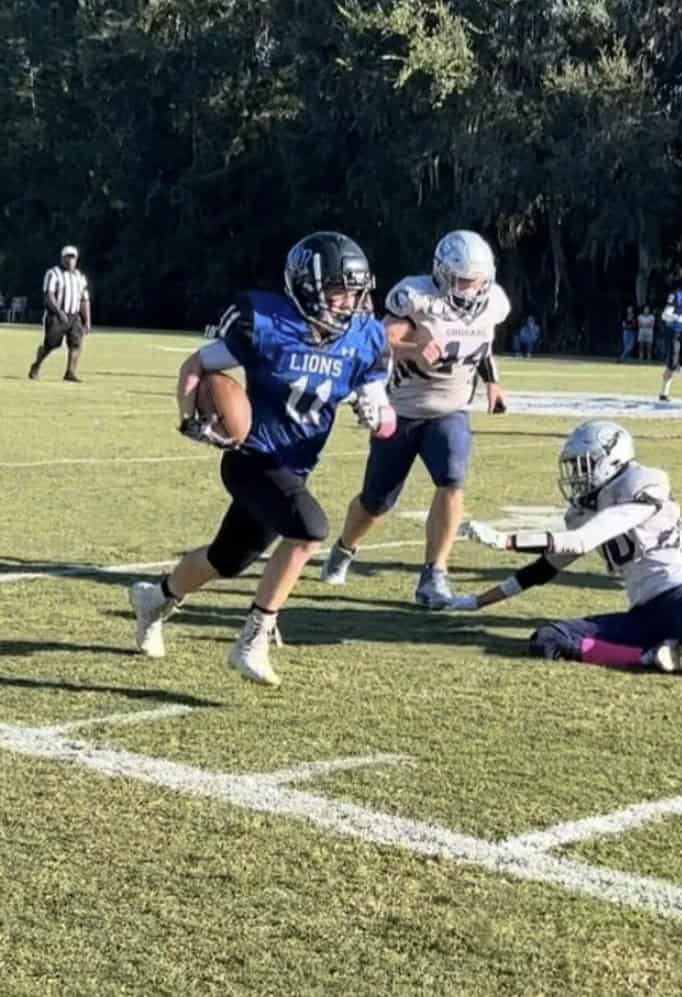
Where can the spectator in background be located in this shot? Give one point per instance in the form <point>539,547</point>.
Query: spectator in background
<point>645,333</point>
<point>629,333</point>
<point>67,312</point>
<point>529,334</point>
<point>672,321</point>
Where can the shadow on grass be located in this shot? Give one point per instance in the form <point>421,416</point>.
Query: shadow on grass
<point>23,647</point>
<point>388,622</point>
<point>153,695</point>
<point>10,565</point>
<point>473,631</point>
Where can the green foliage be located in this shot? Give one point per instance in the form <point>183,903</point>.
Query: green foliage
<point>184,145</point>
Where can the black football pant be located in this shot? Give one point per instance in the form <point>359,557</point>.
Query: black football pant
<point>268,502</point>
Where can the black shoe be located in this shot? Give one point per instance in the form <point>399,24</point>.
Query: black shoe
<point>72,377</point>
<point>663,398</point>
<point>34,372</point>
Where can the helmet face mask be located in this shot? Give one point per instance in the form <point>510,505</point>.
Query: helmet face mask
<point>594,453</point>
<point>328,278</point>
<point>464,272</point>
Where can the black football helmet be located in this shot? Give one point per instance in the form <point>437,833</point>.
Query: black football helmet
<point>318,266</point>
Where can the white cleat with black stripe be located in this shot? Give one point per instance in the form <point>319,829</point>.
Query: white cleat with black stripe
<point>151,607</point>
<point>250,654</point>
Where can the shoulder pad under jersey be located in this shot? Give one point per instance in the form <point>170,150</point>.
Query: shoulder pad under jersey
<point>637,484</point>
<point>498,305</point>
<point>410,296</point>
<point>236,322</point>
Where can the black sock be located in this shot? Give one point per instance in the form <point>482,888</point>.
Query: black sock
<point>166,589</point>
<point>266,612</point>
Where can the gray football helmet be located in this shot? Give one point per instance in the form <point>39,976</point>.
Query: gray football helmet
<point>594,453</point>
<point>464,271</point>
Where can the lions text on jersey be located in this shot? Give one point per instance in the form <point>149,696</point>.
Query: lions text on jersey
<point>419,391</point>
<point>636,525</point>
<point>294,384</point>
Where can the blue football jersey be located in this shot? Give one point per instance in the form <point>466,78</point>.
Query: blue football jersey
<point>676,300</point>
<point>295,385</point>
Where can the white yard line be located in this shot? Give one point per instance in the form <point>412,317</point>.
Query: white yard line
<point>275,793</point>
<point>101,460</point>
<point>120,719</point>
<point>40,569</point>
<point>484,446</point>
<point>174,349</point>
<point>616,822</point>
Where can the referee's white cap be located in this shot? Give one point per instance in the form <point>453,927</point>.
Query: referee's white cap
<point>69,251</point>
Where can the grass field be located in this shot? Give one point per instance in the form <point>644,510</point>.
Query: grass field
<point>438,821</point>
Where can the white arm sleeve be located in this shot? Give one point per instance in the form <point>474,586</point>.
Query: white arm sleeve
<point>668,314</point>
<point>606,525</point>
<point>216,356</point>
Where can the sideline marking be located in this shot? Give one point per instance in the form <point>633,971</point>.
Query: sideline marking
<point>532,517</point>
<point>524,857</point>
<point>589,405</point>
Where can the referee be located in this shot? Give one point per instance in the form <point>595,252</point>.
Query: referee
<point>67,313</point>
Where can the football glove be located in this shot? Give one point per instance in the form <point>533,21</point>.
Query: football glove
<point>486,535</point>
<point>200,430</point>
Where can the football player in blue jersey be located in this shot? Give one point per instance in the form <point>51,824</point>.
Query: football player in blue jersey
<point>303,353</point>
<point>672,320</point>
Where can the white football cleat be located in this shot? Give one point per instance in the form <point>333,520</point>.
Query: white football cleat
<point>335,569</point>
<point>667,657</point>
<point>151,609</point>
<point>250,654</point>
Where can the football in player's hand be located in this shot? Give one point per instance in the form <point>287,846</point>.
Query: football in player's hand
<point>222,396</point>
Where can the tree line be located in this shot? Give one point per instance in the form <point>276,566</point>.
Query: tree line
<point>184,145</point>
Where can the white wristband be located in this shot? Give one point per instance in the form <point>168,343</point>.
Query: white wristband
<point>510,586</point>
<point>533,540</point>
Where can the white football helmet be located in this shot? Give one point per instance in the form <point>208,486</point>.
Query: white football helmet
<point>592,455</point>
<point>464,271</point>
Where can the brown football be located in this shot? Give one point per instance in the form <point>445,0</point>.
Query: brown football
<point>221,395</point>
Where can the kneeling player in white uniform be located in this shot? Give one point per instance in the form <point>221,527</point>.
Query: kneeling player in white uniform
<point>441,329</point>
<point>626,510</point>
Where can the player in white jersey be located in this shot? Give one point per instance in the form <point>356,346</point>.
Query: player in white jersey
<point>441,329</point>
<point>671,317</point>
<point>626,511</point>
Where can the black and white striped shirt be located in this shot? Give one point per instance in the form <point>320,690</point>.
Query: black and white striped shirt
<point>69,288</point>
